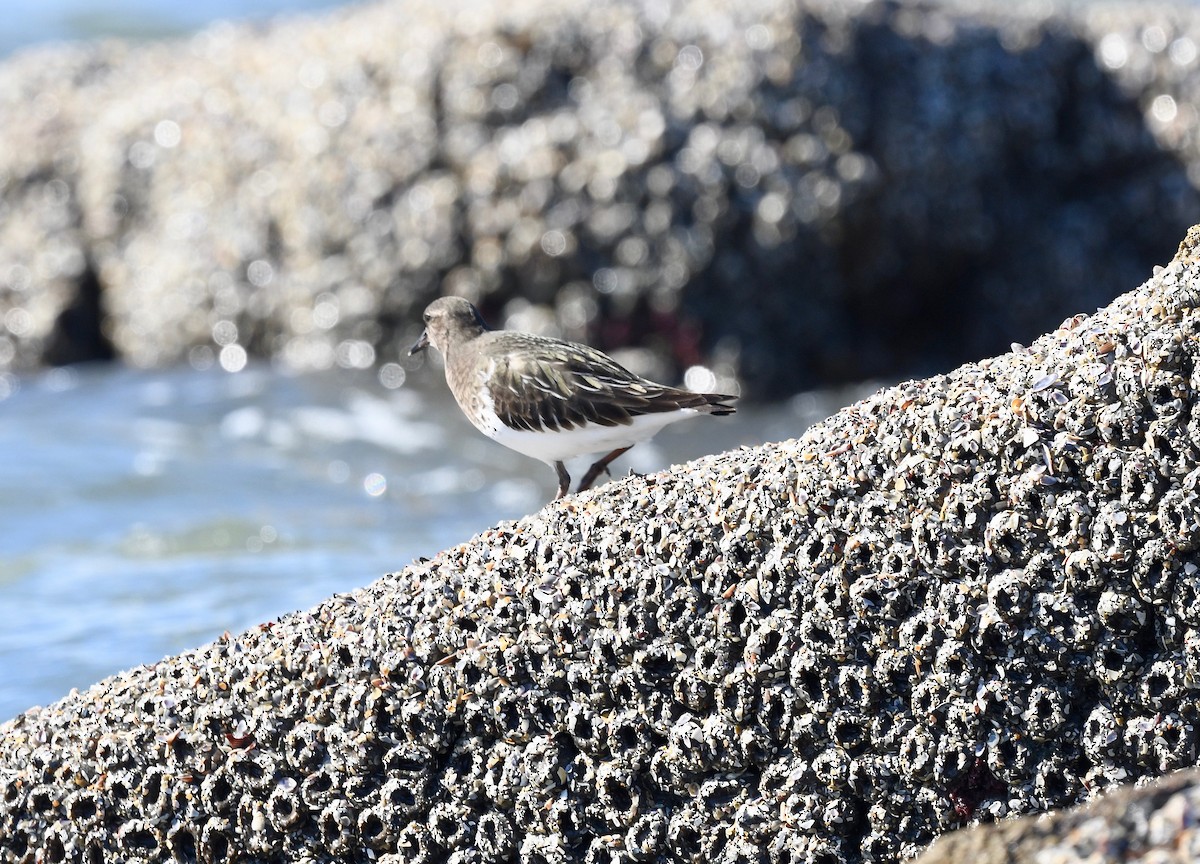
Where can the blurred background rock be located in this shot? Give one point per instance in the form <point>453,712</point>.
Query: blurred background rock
<point>791,193</point>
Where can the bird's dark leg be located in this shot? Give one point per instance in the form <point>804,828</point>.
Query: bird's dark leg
<point>597,467</point>
<point>564,480</point>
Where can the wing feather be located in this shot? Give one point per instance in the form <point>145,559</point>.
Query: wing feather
<point>540,383</point>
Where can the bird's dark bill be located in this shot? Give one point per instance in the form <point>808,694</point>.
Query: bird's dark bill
<point>420,345</point>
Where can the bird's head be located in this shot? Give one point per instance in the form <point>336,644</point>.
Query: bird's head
<point>449,320</point>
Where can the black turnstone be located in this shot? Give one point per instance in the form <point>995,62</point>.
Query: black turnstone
<point>550,399</point>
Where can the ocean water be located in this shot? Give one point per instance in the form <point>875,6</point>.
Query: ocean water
<point>28,22</point>
<point>145,513</point>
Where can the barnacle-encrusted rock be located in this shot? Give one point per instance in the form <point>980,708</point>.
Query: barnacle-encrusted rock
<point>960,599</point>
<point>1155,824</point>
<point>905,185</point>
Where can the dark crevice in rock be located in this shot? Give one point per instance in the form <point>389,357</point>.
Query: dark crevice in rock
<point>78,335</point>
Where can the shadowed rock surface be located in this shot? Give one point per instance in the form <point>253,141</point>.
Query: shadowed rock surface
<point>961,598</point>
<point>1153,823</point>
<point>793,192</point>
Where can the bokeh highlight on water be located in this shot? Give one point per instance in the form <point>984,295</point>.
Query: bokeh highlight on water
<point>145,513</point>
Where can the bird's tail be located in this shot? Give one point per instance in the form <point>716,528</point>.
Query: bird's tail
<point>713,403</point>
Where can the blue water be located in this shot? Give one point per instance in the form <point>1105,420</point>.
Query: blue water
<point>27,22</point>
<point>145,513</point>
<point>141,513</point>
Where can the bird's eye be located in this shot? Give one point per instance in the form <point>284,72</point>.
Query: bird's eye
<point>427,317</point>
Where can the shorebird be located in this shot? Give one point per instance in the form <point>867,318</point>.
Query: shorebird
<point>549,399</point>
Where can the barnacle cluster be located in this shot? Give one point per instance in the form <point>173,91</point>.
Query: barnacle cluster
<point>959,599</point>
<point>609,171</point>
<point>1149,823</point>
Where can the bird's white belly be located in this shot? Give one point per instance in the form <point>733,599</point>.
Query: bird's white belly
<point>552,446</point>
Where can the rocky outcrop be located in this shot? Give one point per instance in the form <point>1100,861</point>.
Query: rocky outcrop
<point>796,192</point>
<point>1152,823</point>
<point>961,599</point>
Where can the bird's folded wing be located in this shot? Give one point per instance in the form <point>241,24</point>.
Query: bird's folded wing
<point>571,387</point>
